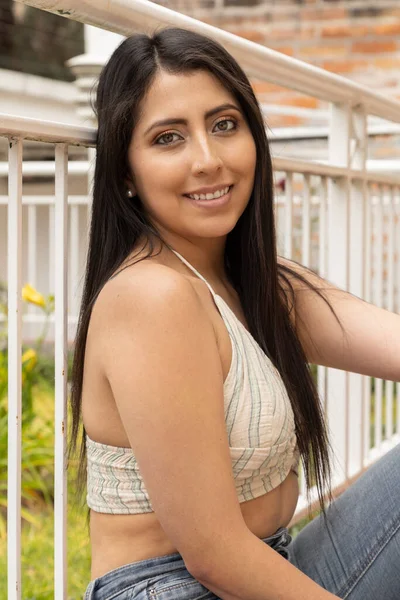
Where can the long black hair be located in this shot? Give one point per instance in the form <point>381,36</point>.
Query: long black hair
<point>264,286</point>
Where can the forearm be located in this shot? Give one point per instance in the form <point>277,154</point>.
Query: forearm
<point>251,570</point>
<point>367,340</point>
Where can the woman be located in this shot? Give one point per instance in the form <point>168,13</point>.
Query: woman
<point>191,364</point>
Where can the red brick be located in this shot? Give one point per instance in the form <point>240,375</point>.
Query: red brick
<point>242,21</point>
<point>282,34</point>
<point>323,14</point>
<point>387,29</point>
<point>252,35</point>
<point>337,66</point>
<point>288,50</point>
<point>322,51</point>
<point>264,87</point>
<point>349,31</point>
<point>387,63</point>
<point>374,47</point>
<point>303,101</point>
<point>211,20</point>
<point>284,120</point>
<point>336,31</point>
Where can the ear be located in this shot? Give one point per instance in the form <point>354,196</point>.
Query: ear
<point>129,185</point>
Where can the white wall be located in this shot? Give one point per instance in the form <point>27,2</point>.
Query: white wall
<point>37,97</point>
<point>100,42</point>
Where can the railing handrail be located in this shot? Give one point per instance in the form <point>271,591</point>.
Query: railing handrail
<point>127,16</point>
<point>12,125</point>
<point>46,131</point>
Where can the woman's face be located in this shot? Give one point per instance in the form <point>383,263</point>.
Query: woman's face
<point>192,138</point>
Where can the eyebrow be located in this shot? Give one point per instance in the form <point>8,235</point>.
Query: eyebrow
<point>207,115</point>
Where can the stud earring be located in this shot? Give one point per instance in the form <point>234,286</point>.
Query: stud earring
<point>129,194</point>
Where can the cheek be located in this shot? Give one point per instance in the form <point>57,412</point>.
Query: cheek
<point>163,173</point>
<point>243,155</point>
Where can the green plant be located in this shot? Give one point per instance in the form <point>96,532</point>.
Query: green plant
<point>38,556</point>
<point>37,418</point>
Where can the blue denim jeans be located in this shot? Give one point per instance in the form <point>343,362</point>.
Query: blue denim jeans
<point>355,554</point>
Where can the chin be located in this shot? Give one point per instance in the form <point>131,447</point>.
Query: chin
<point>216,231</point>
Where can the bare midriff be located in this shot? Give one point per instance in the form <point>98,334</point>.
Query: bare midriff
<point>122,539</point>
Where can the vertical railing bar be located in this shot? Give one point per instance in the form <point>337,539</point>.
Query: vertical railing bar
<point>74,257</point>
<point>338,273</point>
<point>14,369</point>
<point>363,288</point>
<point>397,238</point>
<point>306,223</point>
<point>397,284</point>
<point>322,226</point>
<point>61,371</point>
<point>379,302</point>
<point>390,306</point>
<point>322,271</point>
<point>32,244</point>
<point>90,180</point>
<point>32,250</point>
<point>279,210</point>
<point>367,298</point>
<point>355,261</point>
<point>288,232</point>
<point>52,237</point>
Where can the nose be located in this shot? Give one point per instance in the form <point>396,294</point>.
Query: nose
<point>206,157</point>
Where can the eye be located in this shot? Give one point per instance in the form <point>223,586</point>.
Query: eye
<point>167,136</point>
<point>223,126</point>
<point>225,122</point>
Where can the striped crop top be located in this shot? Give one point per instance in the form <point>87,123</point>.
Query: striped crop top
<point>259,422</point>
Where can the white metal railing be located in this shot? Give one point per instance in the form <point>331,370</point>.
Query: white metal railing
<point>38,214</point>
<point>338,217</point>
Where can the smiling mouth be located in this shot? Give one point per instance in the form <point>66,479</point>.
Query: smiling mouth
<point>214,196</point>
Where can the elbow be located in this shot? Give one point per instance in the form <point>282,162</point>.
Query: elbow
<point>202,572</point>
<point>198,566</point>
<point>212,563</point>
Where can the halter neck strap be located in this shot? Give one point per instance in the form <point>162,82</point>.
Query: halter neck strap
<point>187,263</point>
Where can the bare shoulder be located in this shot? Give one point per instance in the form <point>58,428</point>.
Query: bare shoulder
<point>145,286</point>
<point>145,300</point>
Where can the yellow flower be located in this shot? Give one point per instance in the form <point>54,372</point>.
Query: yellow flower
<point>29,294</point>
<point>29,359</point>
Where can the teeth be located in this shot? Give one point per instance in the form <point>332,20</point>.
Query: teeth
<point>216,194</point>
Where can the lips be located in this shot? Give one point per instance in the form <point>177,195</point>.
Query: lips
<point>213,202</point>
<point>209,194</point>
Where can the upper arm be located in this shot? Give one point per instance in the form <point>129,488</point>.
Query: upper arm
<point>339,330</point>
<point>164,369</point>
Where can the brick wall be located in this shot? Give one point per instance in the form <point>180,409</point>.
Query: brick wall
<point>359,39</point>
